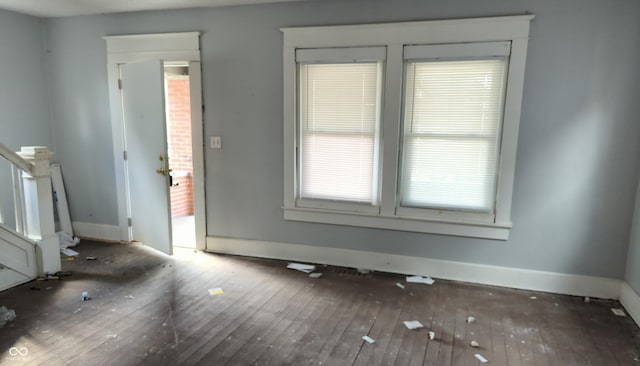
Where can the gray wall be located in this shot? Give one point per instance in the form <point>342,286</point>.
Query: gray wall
<point>76,61</point>
<point>578,152</point>
<point>24,103</point>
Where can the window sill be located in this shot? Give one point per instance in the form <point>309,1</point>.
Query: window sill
<point>497,231</point>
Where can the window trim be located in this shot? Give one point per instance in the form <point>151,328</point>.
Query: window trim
<point>395,36</point>
<point>371,55</point>
<point>446,52</point>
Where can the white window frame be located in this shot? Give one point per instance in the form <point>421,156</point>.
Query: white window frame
<point>458,51</point>
<point>338,55</point>
<point>394,36</point>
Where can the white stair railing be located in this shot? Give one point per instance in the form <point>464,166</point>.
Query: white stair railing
<point>33,203</point>
<point>18,165</point>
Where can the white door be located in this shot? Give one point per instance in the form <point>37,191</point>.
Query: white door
<point>146,146</point>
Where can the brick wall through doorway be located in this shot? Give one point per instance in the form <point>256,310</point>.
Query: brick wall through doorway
<point>180,154</point>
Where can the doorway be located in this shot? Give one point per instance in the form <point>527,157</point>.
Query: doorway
<point>144,181</point>
<point>179,138</point>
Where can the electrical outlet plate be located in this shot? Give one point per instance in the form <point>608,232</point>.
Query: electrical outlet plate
<point>216,142</point>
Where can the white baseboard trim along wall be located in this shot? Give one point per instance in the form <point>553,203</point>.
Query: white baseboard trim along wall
<point>561,283</point>
<point>96,231</point>
<point>630,299</point>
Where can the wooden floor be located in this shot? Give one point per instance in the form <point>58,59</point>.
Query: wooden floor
<point>151,309</point>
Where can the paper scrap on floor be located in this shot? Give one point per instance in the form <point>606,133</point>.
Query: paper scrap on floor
<point>471,319</point>
<point>66,240</point>
<point>413,324</point>
<point>215,291</point>
<point>315,275</point>
<point>369,339</point>
<point>482,359</point>
<point>306,268</point>
<point>420,279</point>
<point>618,312</point>
<point>400,285</point>
<point>69,252</point>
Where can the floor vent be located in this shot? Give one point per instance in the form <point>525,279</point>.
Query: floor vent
<point>351,271</point>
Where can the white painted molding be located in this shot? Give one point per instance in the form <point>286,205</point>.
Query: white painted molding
<point>61,199</point>
<point>197,151</point>
<point>38,204</point>
<point>497,231</point>
<point>561,283</point>
<point>304,43</point>
<point>420,32</point>
<point>630,299</point>
<point>97,231</point>
<point>10,278</point>
<point>15,159</point>
<point>18,252</point>
<point>165,46</point>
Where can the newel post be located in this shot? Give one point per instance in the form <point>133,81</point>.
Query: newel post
<point>39,208</point>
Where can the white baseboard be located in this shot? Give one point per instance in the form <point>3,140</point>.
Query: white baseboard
<point>96,231</point>
<point>597,287</point>
<point>630,299</point>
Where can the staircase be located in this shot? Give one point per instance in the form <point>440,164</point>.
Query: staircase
<point>18,258</point>
<point>32,247</point>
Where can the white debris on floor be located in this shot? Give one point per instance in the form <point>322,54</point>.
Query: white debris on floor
<point>215,291</point>
<point>306,268</point>
<point>420,279</point>
<point>6,315</point>
<point>369,339</point>
<point>618,312</point>
<point>413,324</point>
<point>471,319</point>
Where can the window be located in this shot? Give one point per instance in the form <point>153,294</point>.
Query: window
<point>406,126</point>
<point>339,105</point>
<point>452,119</point>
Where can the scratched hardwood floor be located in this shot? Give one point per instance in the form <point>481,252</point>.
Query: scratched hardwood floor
<point>151,309</point>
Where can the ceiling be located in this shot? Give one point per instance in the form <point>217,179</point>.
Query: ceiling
<point>61,8</point>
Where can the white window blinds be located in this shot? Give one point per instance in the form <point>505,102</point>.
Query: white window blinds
<point>338,141</point>
<point>452,119</point>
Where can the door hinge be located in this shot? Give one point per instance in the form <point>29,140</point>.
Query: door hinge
<point>124,154</point>
<point>120,84</point>
<point>129,222</point>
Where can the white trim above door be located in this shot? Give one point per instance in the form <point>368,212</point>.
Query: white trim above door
<point>171,48</point>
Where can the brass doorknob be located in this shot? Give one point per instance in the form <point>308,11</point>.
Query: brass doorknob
<point>163,171</point>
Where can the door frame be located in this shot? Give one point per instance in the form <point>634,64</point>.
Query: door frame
<point>171,48</point>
